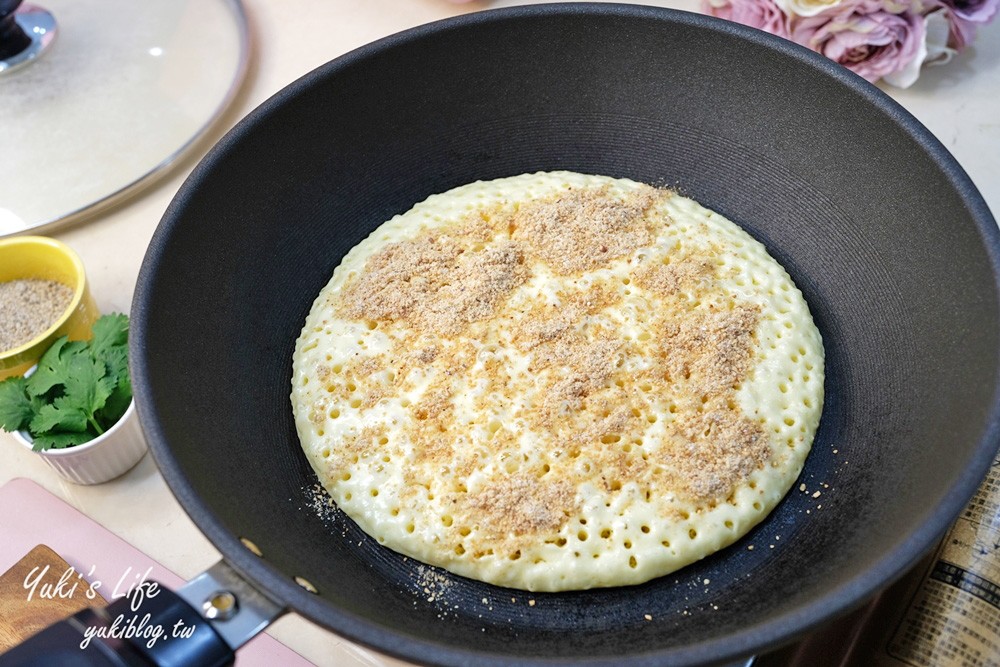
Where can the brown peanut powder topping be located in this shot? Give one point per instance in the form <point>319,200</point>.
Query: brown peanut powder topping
<point>522,505</point>
<point>584,229</point>
<point>669,279</point>
<point>593,411</point>
<point>436,283</point>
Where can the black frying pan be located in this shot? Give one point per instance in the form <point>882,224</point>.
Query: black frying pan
<point>895,252</point>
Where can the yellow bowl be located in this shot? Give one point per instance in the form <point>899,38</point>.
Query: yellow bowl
<point>47,259</point>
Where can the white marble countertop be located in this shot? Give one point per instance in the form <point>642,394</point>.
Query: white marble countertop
<point>959,103</point>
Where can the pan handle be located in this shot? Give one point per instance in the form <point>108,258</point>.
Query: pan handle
<point>202,624</point>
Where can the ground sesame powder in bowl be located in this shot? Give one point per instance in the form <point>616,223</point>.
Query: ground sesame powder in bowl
<point>43,295</point>
<point>28,307</point>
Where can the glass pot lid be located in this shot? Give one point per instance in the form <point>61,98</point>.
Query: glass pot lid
<point>98,97</point>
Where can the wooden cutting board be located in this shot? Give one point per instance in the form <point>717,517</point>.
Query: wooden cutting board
<point>32,597</point>
<point>86,544</point>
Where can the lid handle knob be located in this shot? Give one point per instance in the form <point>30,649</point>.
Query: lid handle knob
<point>13,40</point>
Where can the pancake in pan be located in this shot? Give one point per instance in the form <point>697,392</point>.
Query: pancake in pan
<point>558,381</point>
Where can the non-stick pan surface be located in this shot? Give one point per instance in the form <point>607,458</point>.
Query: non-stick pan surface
<point>893,248</point>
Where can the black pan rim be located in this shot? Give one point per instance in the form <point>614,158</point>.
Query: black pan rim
<point>846,596</point>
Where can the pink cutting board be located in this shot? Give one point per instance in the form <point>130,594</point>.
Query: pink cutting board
<point>85,544</point>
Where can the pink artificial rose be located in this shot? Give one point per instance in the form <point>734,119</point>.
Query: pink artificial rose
<point>871,38</point>
<point>963,17</point>
<point>762,14</point>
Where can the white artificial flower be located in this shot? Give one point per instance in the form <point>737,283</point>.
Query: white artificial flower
<point>806,7</point>
<point>934,50</point>
<point>938,51</point>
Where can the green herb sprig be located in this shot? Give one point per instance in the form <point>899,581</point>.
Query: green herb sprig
<point>79,390</point>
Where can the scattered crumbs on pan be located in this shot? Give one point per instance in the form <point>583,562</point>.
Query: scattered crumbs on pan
<point>321,504</point>
<point>434,586</point>
<point>707,582</point>
<point>836,451</point>
<point>817,494</point>
<point>429,583</point>
<point>647,617</point>
<point>802,487</point>
<point>777,537</point>
<point>750,546</point>
<point>432,583</point>
<point>531,603</point>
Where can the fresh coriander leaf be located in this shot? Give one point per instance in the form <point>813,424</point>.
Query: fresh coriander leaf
<point>116,359</point>
<point>53,368</point>
<point>78,389</point>
<point>110,332</point>
<point>82,375</point>
<point>87,386</point>
<point>117,402</point>
<point>60,416</point>
<point>16,408</point>
<point>48,374</point>
<point>60,440</point>
<point>113,410</point>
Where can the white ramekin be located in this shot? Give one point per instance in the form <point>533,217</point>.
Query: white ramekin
<point>107,456</point>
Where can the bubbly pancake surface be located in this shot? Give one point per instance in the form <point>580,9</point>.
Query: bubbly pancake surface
<point>558,381</point>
